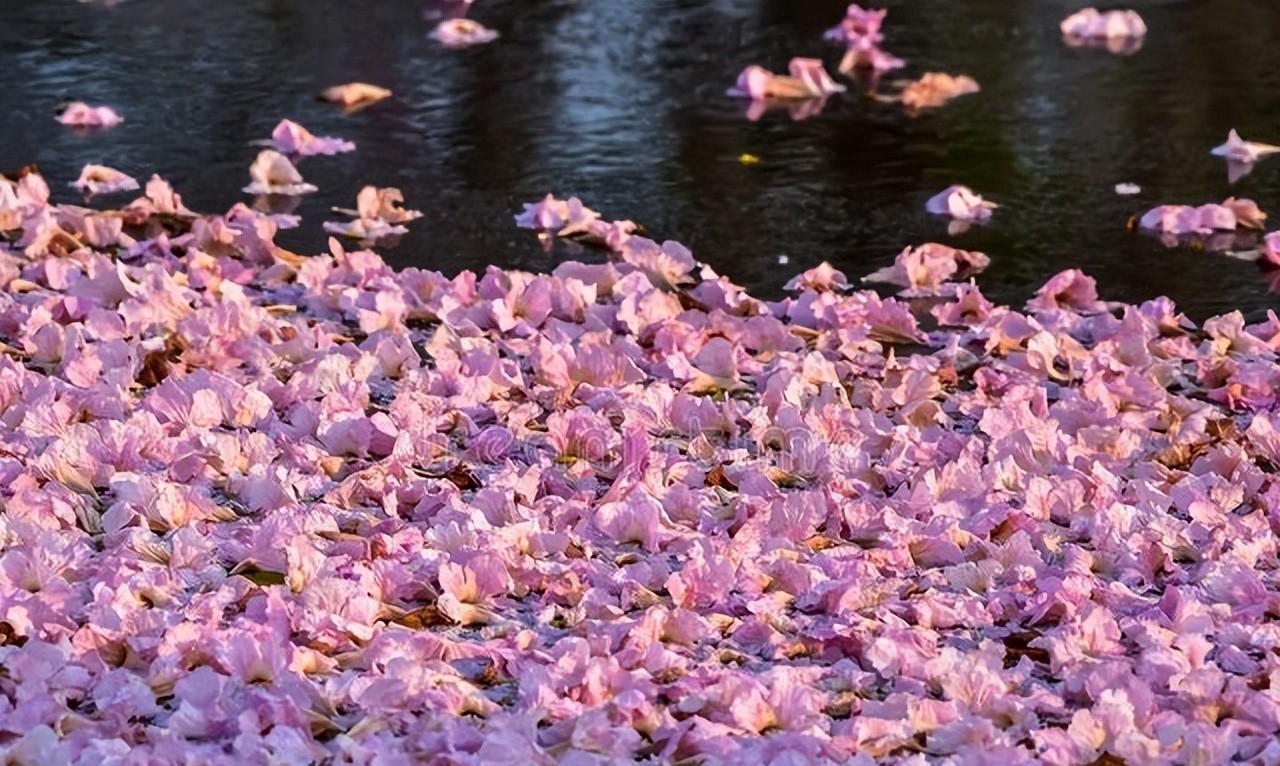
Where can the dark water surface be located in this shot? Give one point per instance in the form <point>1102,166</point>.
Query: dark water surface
<point>621,102</point>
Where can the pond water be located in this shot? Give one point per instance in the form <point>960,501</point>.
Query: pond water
<point>621,102</point>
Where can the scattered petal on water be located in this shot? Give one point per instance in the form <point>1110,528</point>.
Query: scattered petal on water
<point>961,204</point>
<point>935,89</point>
<point>807,79</point>
<point>81,115</point>
<point>355,94</point>
<point>273,173</point>
<point>100,179</point>
<point>462,33</point>
<point>1092,24</point>
<point>291,138</point>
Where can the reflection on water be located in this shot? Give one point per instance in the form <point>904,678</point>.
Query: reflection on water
<point>622,103</point>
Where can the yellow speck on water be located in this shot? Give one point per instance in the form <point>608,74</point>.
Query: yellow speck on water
<point>748,159</point>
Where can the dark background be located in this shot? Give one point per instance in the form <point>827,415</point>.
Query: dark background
<point>622,103</point>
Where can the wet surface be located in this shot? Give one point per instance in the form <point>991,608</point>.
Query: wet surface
<point>621,103</point>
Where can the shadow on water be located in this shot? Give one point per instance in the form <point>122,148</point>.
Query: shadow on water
<point>621,102</point>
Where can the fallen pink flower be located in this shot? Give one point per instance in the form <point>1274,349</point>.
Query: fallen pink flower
<point>961,203</point>
<point>291,138</point>
<point>927,267</point>
<point>808,79</point>
<point>355,94</point>
<point>273,173</point>
<point>1090,24</point>
<point>378,215</point>
<point>823,278</point>
<point>100,179</point>
<point>936,88</point>
<point>1237,150</point>
<point>81,115</point>
<point>1184,219</point>
<point>552,215</point>
<point>462,32</point>
<point>381,204</point>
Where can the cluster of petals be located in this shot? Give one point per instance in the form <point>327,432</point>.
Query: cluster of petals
<point>260,508</point>
<point>1205,219</point>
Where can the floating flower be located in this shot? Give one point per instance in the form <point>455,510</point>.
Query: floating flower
<point>1205,219</point>
<point>935,89</point>
<point>462,32</point>
<point>355,94</point>
<point>80,115</point>
<point>100,179</point>
<point>273,173</point>
<point>928,266</point>
<point>1239,150</point>
<point>377,215</point>
<point>808,79</point>
<point>961,204</point>
<point>1091,24</point>
<point>1241,155</point>
<point>291,138</point>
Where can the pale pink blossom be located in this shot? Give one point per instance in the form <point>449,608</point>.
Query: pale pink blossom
<point>100,179</point>
<point>462,32</point>
<point>355,94</point>
<point>961,204</point>
<point>81,115</point>
<point>291,138</point>
<point>273,173</point>
<point>1089,23</point>
<point>936,88</point>
<point>807,79</point>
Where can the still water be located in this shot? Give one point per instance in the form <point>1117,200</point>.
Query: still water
<point>621,103</point>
